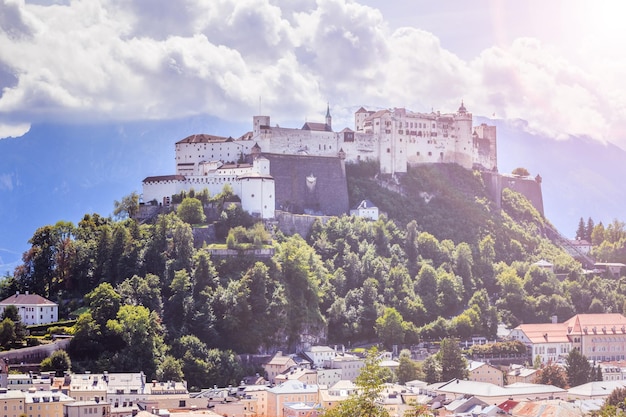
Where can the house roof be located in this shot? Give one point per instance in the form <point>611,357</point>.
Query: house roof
<point>365,204</point>
<point>31,299</point>
<point>607,322</point>
<point>545,332</point>
<point>204,138</point>
<point>158,178</point>
<point>595,389</point>
<point>294,386</point>
<point>485,389</point>
<point>320,127</point>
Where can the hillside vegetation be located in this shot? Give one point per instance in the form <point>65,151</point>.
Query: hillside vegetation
<point>443,261</point>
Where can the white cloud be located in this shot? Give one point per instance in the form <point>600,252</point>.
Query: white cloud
<point>112,59</point>
<point>13,130</point>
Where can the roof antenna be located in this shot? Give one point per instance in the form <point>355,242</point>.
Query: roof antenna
<point>260,106</point>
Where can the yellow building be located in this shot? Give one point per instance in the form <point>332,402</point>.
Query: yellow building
<point>483,372</point>
<point>289,392</point>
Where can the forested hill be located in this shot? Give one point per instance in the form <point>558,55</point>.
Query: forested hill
<point>443,261</point>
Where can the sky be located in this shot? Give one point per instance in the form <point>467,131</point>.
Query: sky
<point>142,65</point>
<point>556,64</point>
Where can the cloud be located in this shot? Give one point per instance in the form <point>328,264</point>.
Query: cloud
<point>154,59</point>
<point>13,130</point>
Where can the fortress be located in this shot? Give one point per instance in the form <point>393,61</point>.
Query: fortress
<point>302,169</point>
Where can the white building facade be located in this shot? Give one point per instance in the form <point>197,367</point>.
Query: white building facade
<point>33,308</point>
<point>396,138</point>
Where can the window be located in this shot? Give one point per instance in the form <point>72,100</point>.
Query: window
<point>182,403</point>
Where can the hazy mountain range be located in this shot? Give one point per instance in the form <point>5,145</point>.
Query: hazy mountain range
<point>61,172</point>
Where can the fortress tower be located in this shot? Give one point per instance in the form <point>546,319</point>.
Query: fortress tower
<point>464,144</point>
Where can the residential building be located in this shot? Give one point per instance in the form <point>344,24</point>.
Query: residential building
<point>33,308</point>
<point>304,375</point>
<point>365,209</point>
<point>493,394</point>
<point>278,364</point>
<point>45,403</point>
<point>519,373</point>
<point>289,392</point>
<point>24,382</point>
<point>87,409</point>
<point>318,354</point>
<point>484,372</point>
<point>350,365</point>
<point>615,269</point>
<point>600,337</point>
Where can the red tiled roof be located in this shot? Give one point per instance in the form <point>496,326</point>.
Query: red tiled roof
<point>32,299</point>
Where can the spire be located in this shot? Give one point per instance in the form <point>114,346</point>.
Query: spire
<point>462,109</point>
<point>329,119</point>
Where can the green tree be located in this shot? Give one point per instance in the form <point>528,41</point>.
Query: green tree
<point>10,312</point>
<point>552,374</point>
<point>390,327</point>
<point>432,369</point>
<point>426,289</point>
<point>522,172</point>
<point>142,334</point>
<point>580,231</point>
<point>7,333</point>
<point>369,387</point>
<point>191,211</point>
<point>408,370</point>
<point>577,368</point>
<point>104,303</point>
<point>450,357</point>
<point>170,370</point>
<point>589,230</point>
<point>59,362</point>
<point>128,207</point>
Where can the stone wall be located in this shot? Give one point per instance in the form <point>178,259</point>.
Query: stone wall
<point>527,186</point>
<point>309,184</point>
<point>290,223</point>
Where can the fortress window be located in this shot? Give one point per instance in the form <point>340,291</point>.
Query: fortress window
<point>418,153</point>
<point>388,150</point>
<point>441,154</point>
<point>430,154</point>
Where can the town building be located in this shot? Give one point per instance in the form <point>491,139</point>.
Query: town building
<point>350,365</point>
<point>493,394</point>
<point>289,392</point>
<point>484,372</point>
<point>614,269</point>
<point>32,308</point>
<point>578,246</point>
<point>365,209</point>
<point>520,373</point>
<point>277,365</point>
<point>599,337</point>
<point>87,409</point>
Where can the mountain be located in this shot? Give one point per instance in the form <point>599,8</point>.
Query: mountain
<point>60,172</point>
<point>580,177</point>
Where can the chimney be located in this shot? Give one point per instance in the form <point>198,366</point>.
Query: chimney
<point>554,319</point>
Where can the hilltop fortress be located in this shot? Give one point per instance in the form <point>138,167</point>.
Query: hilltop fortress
<point>302,169</point>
